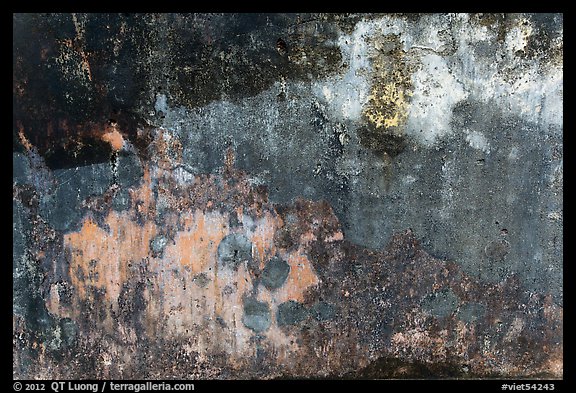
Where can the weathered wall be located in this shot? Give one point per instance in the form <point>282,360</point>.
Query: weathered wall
<point>284,195</point>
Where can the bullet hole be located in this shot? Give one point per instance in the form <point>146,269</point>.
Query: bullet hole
<point>221,322</point>
<point>202,280</point>
<point>504,231</point>
<point>228,290</point>
<point>275,273</point>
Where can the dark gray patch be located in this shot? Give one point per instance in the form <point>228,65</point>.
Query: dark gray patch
<point>233,220</point>
<point>20,169</point>
<point>20,287</point>
<point>228,290</point>
<point>547,28</point>
<point>68,332</point>
<point>63,210</point>
<point>234,249</point>
<point>323,311</point>
<point>157,245</point>
<point>441,304</point>
<point>202,280</point>
<point>18,238</point>
<point>221,322</point>
<point>291,313</point>
<point>471,312</point>
<point>121,200</point>
<point>275,273</point>
<point>128,173</point>
<point>257,315</point>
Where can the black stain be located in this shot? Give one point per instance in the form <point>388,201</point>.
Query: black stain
<point>157,245</point>
<point>381,141</point>
<point>69,81</point>
<point>68,85</point>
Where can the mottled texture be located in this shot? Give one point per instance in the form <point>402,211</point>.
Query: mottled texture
<point>287,196</point>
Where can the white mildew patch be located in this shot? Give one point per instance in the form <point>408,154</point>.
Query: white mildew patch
<point>347,94</point>
<point>450,59</point>
<point>161,104</point>
<point>477,140</point>
<point>436,92</point>
<point>515,85</point>
<point>517,37</point>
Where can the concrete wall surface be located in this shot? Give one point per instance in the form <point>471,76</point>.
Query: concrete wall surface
<point>287,196</point>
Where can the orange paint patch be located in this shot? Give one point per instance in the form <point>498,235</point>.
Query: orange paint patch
<point>197,244</point>
<point>187,293</point>
<point>300,278</point>
<point>100,258</point>
<point>114,138</point>
<point>263,238</point>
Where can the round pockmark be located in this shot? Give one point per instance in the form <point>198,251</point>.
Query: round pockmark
<point>291,313</point>
<point>257,315</point>
<point>234,249</point>
<point>275,273</point>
